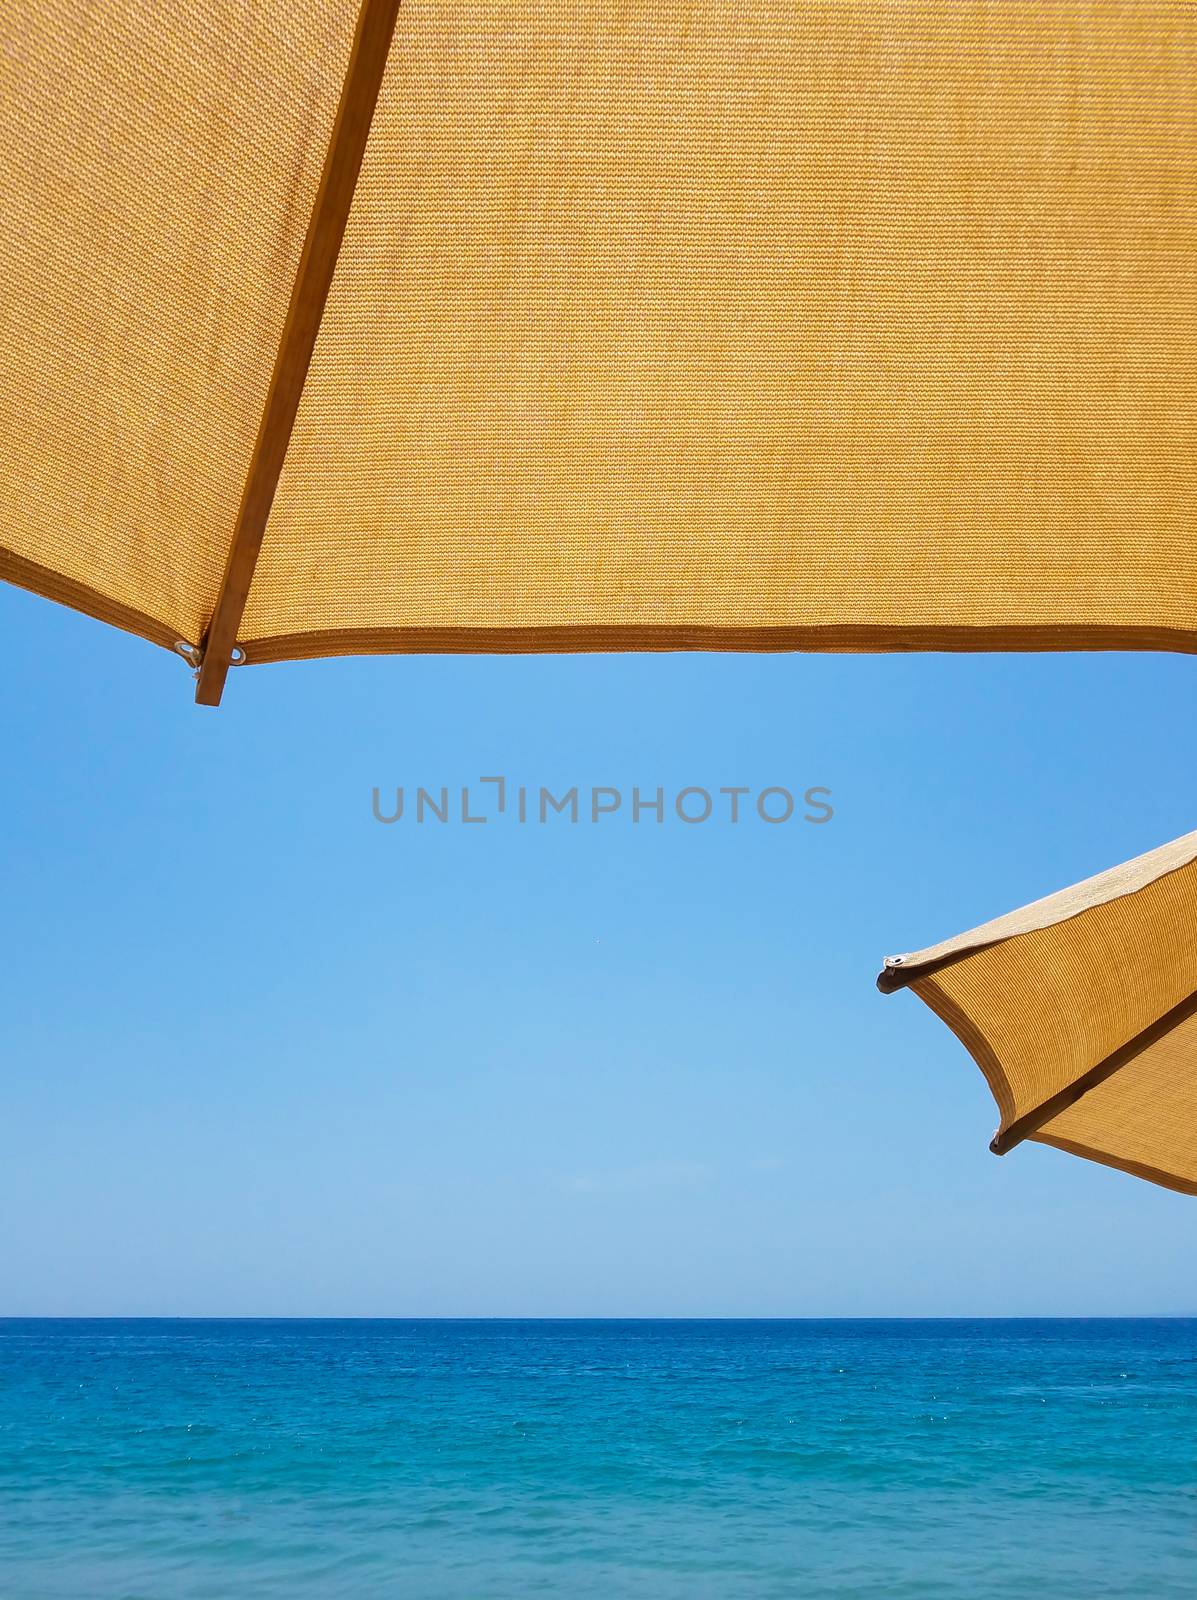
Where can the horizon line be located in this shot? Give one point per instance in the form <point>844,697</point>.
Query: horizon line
<point>1027,1316</point>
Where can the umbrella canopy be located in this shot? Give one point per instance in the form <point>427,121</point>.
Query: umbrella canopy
<point>570,325</point>
<point>1081,1011</point>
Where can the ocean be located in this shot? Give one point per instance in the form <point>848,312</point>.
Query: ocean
<point>972,1459</point>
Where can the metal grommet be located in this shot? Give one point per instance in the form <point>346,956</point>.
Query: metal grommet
<point>237,656</point>
<point>190,652</point>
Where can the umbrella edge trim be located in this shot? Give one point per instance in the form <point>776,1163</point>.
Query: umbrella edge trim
<point>50,585</point>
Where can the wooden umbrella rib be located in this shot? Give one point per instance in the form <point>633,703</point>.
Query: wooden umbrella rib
<point>313,278</point>
<point>1026,1126</point>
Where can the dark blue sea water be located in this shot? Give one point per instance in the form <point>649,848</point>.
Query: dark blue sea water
<point>969,1459</point>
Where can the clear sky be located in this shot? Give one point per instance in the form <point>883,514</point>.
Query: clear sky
<point>263,1055</point>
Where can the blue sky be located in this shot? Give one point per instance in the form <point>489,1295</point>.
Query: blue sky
<point>266,1056</point>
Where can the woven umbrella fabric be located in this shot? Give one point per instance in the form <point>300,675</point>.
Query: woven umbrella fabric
<point>830,324</point>
<point>1084,1006</point>
<point>158,164</point>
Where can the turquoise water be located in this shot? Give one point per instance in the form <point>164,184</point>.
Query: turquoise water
<point>730,1459</point>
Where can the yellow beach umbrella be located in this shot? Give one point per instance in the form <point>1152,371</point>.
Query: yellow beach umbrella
<point>1081,1011</point>
<point>528,325</point>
